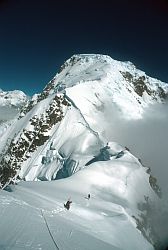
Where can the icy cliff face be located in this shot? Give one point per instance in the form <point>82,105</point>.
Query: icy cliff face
<point>61,131</point>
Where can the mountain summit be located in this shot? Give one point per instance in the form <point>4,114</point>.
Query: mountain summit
<point>62,130</point>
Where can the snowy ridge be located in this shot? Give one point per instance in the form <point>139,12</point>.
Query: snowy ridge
<point>99,223</point>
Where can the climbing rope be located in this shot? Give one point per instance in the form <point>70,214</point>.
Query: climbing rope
<point>49,230</point>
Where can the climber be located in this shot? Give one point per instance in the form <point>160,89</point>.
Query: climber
<point>87,197</point>
<point>67,205</point>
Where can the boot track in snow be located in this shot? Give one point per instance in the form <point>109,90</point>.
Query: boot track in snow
<point>49,231</point>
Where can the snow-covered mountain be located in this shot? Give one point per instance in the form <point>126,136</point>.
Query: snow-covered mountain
<point>11,103</point>
<point>33,215</point>
<point>64,129</point>
<point>15,98</point>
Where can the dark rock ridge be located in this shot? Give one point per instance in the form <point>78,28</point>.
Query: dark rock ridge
<point>28,141</point>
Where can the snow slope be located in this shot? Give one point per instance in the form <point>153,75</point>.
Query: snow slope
<point>106,221</point>
<point>98,223</point>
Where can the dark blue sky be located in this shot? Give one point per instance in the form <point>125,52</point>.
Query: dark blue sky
<point>36,37</point>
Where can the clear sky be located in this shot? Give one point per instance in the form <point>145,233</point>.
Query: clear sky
<point>37,36</point>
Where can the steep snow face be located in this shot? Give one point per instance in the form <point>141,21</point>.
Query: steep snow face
<point>52,136</point>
